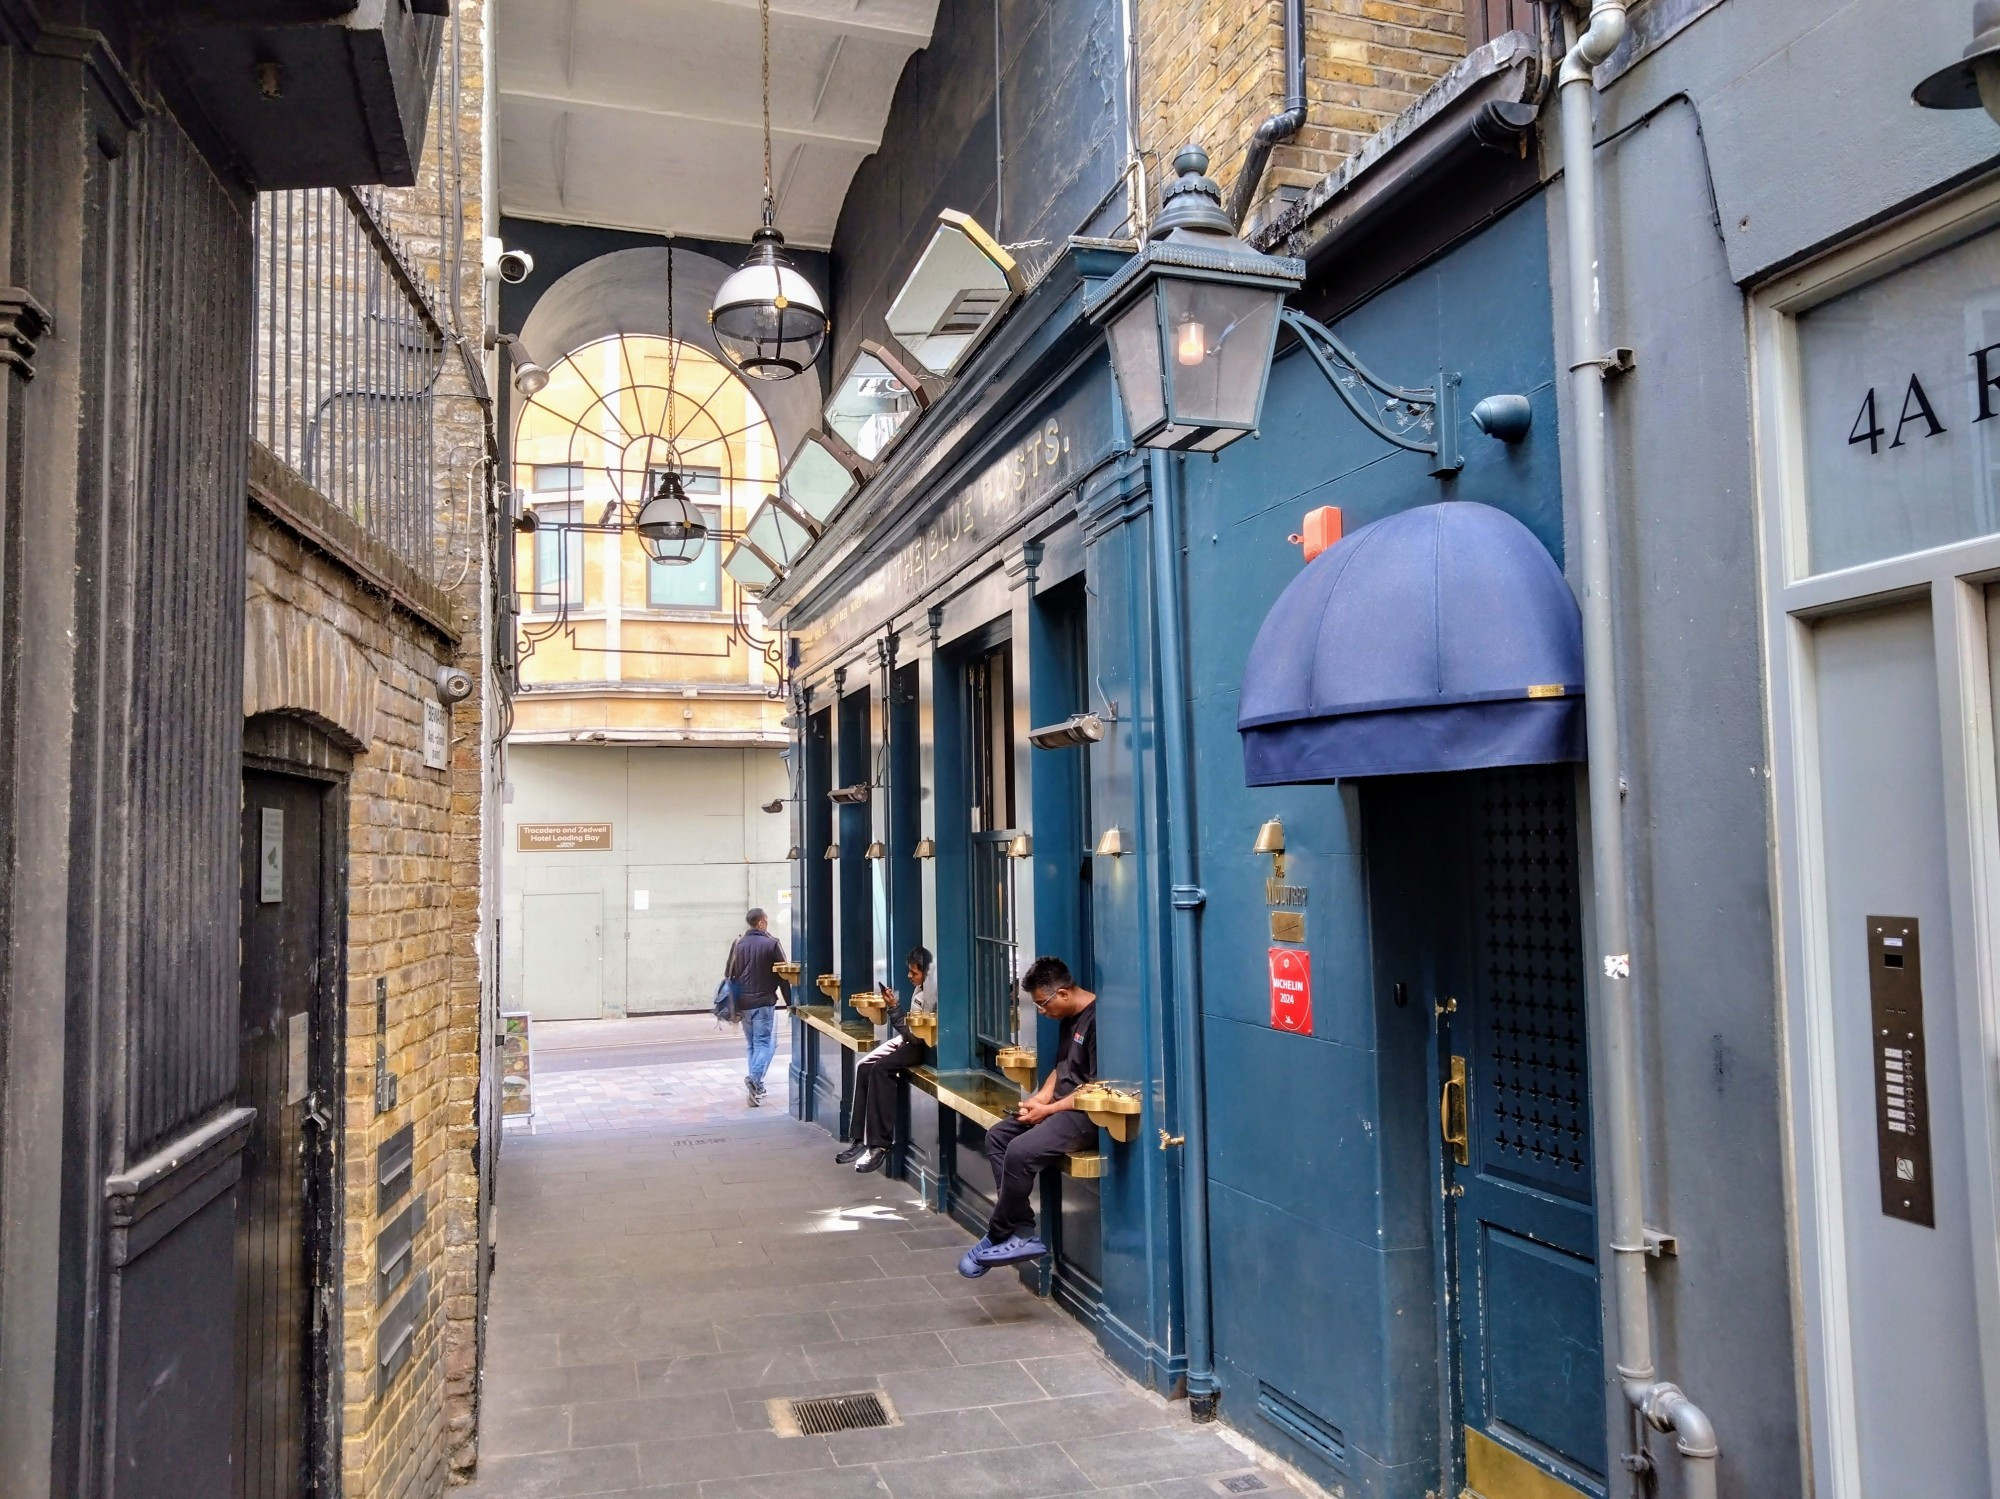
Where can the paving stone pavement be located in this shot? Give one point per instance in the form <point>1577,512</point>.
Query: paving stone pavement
<point>666,1272</point>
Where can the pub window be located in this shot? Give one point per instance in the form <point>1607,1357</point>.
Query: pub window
<point>690,585</point>
<point>558,556</point>
<point>989,718</point>
<point>558,478</point>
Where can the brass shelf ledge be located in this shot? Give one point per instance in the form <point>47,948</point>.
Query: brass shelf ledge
<point>923,1025</point>
<point>1113,1110</point>
<point>1018,1063</point>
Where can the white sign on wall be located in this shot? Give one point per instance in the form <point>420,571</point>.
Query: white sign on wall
<point>437,735</point>
<point>271,856</point>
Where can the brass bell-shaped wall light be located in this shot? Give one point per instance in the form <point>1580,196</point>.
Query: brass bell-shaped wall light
<point>1271,840</point>
<point>926,849</point>
<point>1110,843</point>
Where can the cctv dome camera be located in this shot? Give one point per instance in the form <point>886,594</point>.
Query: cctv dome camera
<point>454,685</point>
<point>516,266</point>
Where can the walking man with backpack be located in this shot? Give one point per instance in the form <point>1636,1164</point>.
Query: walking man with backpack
<point>757,989</point>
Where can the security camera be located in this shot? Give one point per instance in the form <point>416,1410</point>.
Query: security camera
<point>774,806</point>
<point>453,685</point>
<point>1078,728</point>
<point>515,266</point>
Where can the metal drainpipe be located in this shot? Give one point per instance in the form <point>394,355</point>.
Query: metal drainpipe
<point>1280,127</point>
<point>1660,1404</point>
<point>1188,899</point>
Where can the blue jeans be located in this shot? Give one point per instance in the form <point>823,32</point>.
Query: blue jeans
<point>760,1036</point>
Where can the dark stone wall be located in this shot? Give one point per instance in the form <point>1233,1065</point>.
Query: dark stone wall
<point>1051,170</point>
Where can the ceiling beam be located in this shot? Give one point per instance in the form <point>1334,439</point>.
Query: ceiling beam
<point>752,123</point>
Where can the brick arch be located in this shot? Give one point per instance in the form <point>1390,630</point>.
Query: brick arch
<point>298,665</point>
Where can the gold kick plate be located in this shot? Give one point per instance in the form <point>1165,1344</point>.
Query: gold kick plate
<point>1451,1114</point>
<point>1496,1472</point>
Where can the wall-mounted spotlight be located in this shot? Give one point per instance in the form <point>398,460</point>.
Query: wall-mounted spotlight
<point>926,849</point>
<point>849,796</point>
<point>776,805</point>
<point>1022,847</point>
<point>529,377</point>
<point>1110,843</point>
<point>878,850</point>
<point>1271,840</point>
<point>1078,728</point>
<point>832,851</point>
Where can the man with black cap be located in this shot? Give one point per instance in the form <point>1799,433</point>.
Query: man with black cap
<point>757,990</point>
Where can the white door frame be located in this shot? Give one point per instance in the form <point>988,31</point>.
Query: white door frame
<point>1954,580</point>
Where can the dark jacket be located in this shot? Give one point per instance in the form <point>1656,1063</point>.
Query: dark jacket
<point>750,963</point>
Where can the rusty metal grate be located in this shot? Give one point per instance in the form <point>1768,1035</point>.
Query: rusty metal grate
<point>832,1413</point>
<point>1241,1483</point>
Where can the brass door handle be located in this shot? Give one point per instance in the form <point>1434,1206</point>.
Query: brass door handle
<point>1451,1114</point>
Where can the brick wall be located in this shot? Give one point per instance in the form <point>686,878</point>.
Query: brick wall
<point>421,840</point>
<point>1213,70</point>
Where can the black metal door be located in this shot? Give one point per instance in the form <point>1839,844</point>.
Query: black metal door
<point>286,1193</point>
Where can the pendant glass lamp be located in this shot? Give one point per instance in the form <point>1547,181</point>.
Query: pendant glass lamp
<point>767,317</point>
<point>670,529</point>
<point>768,320</point>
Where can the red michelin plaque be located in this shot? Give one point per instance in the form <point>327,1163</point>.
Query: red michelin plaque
<point>1291,991</point>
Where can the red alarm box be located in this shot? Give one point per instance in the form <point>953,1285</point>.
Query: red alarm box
<point>1322,530</point>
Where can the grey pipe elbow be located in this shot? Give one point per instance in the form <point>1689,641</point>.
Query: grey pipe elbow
<point>1606,29</point>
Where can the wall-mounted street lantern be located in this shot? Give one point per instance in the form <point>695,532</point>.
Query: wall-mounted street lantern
<point>1973,82</point>
<point>1193,320</point>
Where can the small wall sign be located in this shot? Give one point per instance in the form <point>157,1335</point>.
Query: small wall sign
<point>437,735</point>
<point>561,837</point>
<point>271,856</point>
<point>1291,991</point>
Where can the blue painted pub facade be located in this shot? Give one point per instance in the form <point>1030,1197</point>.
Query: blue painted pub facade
<point>1301,1229</point>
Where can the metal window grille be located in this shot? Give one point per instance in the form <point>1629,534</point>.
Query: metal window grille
<point>349,350</point>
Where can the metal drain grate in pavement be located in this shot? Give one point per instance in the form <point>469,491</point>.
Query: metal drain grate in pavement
<point>1241,1483</point>
<point>830,1413</point>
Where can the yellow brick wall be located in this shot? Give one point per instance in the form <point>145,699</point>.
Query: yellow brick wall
<point>1213,70</point>
<point>419,880</point>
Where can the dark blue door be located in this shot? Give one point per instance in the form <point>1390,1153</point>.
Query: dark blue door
<point>1524,1334</point>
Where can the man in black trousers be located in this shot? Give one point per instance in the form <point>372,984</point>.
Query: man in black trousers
<point>1045,1128</point>
<point>872,1121</point>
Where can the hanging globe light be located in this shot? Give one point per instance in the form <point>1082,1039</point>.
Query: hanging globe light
<point>767,317</point>
<point>670,529</point>
<point>768,320</point>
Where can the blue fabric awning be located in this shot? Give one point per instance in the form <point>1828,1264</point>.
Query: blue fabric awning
<point>1440,638</point>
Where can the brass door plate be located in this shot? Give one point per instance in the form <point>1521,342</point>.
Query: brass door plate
<point>1288,926</point>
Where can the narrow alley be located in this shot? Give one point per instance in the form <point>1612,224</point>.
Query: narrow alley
<point>675,1265</point>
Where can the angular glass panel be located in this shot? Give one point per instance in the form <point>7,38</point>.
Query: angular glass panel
<point>958,291</point>
<point>816,481</point>
<point>1135,360</point>
<point>1219,340</point>
<point>869,406</point>
<point>748,569</point>
<point>777,535</point>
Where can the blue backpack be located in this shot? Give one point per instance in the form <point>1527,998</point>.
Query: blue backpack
<point>728,992</point>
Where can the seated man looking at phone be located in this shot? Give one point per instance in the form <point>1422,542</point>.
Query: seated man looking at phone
<point>872,1122</point>
<point>1045,1128</point>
